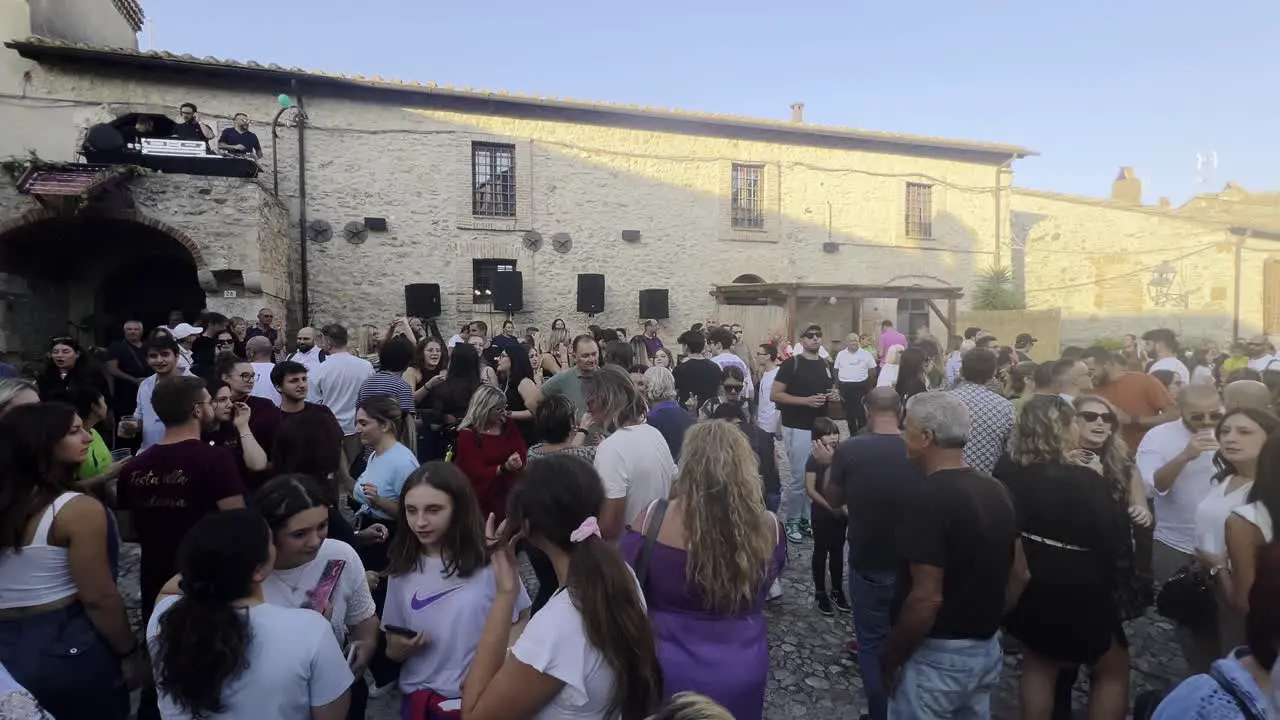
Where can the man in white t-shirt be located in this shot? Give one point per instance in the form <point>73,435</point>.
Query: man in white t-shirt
<point>1261,358</point>
<point>1162,345</point>
<point>766,409</point>
<point>853,369</point>
<point>260,351</point>
<point>1176,463</point>
<point>336,385</point>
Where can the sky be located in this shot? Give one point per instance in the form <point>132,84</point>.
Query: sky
<point>1092,85</point>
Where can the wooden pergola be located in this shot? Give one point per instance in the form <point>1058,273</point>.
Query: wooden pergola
<point>789,295</point>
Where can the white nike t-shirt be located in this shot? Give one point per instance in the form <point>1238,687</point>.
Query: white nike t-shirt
<point>453,611</point>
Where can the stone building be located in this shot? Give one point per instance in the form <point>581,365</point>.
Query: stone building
<point>471,183</point>
<point>1209,269</point>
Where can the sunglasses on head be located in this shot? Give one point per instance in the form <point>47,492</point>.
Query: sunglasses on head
<point>1090,417</point>
<point>1214,416</point>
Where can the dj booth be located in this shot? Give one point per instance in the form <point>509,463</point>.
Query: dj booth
<point>170,156</point>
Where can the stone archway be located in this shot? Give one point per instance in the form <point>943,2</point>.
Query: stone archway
<point>748,279</point>
<point>84,275</point>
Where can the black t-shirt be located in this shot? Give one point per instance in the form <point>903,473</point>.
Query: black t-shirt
<point>232,136</point>
<point>188,131</point>
<point>963,522</point>
<point>697,377</point>
<point>803,377</point>
<point>879,482</point>
<point>132,361</point>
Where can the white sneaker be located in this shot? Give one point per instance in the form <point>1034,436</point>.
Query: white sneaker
<point>775,590</point>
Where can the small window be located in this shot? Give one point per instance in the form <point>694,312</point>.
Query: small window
<point>493,180</point>
<point>919,210</point>
<point>913,315</point>
<point>482,272</point>
<point>747,198</point>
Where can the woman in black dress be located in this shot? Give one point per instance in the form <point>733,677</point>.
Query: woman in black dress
<point>1068,615</point>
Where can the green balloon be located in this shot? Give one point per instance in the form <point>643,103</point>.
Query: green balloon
<point>284,101</point>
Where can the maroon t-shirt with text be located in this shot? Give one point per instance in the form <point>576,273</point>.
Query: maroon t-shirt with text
<point>166,489</point>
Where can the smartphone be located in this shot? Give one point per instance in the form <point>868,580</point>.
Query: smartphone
<point>322,596</point>
<point>401,631</point>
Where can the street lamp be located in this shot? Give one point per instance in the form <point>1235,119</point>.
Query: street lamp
<point>1160,286</point>
<point>286,103</point>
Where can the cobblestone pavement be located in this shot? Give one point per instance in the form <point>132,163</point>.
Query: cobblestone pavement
<point>812,675</point>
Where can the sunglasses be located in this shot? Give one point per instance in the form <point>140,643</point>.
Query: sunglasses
<point>1202,417</point>
<point>226,342</point>
<point>1091,417</point>
<point>248,376</point>
<point>813,335</point>
<point>732,387</point>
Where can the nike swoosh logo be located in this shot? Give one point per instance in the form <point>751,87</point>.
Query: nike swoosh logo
<point>417,604</point>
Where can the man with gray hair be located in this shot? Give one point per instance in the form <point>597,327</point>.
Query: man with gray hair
<point>965,569</point>
<point>260,352</point>
<point>665,413</point>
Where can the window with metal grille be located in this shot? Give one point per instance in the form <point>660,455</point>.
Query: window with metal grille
<point>493,180</point>
<point>482,272</point>
<point>919,210</point>
<point>747,197</point>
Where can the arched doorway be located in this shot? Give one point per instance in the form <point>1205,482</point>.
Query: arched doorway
<point>749,278</point>
<point>85,275</point>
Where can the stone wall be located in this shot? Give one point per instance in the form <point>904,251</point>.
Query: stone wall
<point>414,169</point>
<point>1094,259</point>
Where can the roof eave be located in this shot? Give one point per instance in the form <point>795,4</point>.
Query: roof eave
<point>987,152</point>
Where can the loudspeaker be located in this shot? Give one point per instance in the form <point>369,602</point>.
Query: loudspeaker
<point>422,300</point>
<point>508,291</point>
<point>103,138</point>
<point>590,293</point>
<point>653,304</point>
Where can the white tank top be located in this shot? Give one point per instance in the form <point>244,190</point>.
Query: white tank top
<point>40,573</point>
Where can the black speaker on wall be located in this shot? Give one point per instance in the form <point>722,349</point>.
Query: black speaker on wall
<point>653,304</point>
<point>590,293</point>
<point>508,291</point>
<point>422,300</point>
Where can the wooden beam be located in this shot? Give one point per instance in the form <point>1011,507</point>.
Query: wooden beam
<point>949,322</point>
<point>791,319</point>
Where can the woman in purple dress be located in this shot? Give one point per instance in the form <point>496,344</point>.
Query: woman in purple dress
<point>716,553</point>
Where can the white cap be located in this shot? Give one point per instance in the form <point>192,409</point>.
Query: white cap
<point>182,331</point>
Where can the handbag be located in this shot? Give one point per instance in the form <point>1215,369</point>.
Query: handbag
<point>650,539</point>
<point>1187,598</point>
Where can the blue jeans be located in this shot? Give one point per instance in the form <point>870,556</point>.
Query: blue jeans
<point>61,659</point>
<point>795,501</point>
<point>871,595</point>
<point>948,680</point>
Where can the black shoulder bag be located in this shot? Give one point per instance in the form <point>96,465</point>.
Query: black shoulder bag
<point>650,539</point>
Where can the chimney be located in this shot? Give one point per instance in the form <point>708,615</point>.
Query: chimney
<point>797,112</point>
<point>1165,204</point>
<point>1127,188</point>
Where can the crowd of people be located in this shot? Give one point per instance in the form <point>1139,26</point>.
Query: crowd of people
<point>343,520</point>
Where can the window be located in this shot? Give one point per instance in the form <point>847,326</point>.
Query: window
<point>493,180</point>
<point>912,315</point>
<point>919,210</point>
<point>482,272</point>
<point>747,197</point>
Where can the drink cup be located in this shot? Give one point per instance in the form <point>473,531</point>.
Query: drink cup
<point>129,426</point>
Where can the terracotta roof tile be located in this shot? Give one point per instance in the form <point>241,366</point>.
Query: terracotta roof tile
<point>34,45</point>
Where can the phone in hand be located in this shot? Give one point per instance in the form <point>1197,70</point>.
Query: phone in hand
<point>321,598</point>
<point>403,632</point>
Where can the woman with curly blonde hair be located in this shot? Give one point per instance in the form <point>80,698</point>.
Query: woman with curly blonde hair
<point>1069,614</point>
<point>705,562</point>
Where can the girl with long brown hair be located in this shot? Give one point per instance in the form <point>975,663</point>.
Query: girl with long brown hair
<point>441,587</point>
<point>717,552</point>
<point>590,652</point>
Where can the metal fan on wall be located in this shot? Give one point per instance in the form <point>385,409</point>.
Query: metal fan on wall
<point>319,231</point>
<point>533,241</point>
<point>355,232</point>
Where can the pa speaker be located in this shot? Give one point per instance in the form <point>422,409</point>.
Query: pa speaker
<point>590,293</point>
<point>422,300</point>
<point>653,304</point>
<point>508,291</point>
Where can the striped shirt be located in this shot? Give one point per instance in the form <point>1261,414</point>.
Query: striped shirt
<point>385,383</point>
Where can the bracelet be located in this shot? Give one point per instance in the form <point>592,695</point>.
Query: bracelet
<point>246,434</point>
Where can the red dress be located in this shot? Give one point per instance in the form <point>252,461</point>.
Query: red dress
<point>480,457</point>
